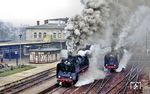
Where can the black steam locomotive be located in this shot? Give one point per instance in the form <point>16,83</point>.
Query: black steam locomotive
<point>112,59</point>
<point>68,69</point>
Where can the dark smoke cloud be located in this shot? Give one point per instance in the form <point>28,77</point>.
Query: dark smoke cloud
<point>91,21</point>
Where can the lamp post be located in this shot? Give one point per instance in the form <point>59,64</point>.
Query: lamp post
<point>20,35</point>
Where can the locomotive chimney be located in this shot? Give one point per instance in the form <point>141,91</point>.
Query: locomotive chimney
<point>38,22</point>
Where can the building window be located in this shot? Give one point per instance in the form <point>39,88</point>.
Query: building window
<point>40,35</point>
<point>35,35</point>
<point>44,35</point>
<point>54,35</point>
<point>59,35</point>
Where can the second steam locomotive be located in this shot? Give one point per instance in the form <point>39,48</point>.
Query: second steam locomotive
<point>112,59</point>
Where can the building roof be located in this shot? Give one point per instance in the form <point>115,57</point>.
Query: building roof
<point>45,50</point>
<point>22,43</point>
<point>48,26</point>
<point>59,19</point>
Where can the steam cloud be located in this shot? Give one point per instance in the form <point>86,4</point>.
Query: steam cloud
<point>93,72</point>
<point>64,54</point>
<point>124,61</point>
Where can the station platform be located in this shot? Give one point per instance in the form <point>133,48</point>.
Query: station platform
<point>18,76</point>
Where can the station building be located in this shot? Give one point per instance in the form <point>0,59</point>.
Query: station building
<point>51,30</point>
<point>47,35</point>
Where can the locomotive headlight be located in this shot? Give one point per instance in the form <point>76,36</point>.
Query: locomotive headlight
<point>58,76</point>
<point>60,83</point>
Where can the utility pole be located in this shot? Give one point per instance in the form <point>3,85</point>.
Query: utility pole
<point>20,35</point>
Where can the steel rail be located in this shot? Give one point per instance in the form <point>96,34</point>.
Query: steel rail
<point>127,75</point>
<point>26,82</point>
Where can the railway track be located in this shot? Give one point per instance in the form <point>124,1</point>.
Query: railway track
<point>20,85</point>
<point>50,90</point>
<point>55,89</point>
<point>122,85</point>
<point>116,83</point>
<point>103,86</point>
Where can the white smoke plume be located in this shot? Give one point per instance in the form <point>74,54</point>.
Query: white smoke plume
<point>95,68</point>
<point>64,54</point>
<point>123,62</point>
<point>84,53</point>
<point>135,30</point>
<point>134,34</point>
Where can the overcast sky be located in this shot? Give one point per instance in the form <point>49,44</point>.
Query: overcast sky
<point>29,11</point>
